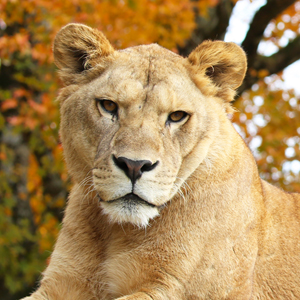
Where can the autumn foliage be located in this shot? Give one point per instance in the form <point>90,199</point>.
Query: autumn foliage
<point>33,178</point>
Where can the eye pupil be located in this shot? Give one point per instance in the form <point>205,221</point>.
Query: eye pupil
<point>177,116</point>
<point>107,105</point>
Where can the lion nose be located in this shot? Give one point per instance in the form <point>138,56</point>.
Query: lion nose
<point>134,168</point>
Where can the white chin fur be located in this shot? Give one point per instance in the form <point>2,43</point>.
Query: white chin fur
<point>138,215</point>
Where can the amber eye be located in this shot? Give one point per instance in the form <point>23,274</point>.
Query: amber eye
<point>177,116</point>
<point>109,106</point>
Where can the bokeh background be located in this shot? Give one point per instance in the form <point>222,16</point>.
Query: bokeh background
<point>33,179</point>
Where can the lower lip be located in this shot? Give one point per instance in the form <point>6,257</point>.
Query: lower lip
<point>129,197</point>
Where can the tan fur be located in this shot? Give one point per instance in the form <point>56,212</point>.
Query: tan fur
<point>214,229</point>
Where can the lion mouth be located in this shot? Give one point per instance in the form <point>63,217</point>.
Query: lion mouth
<point>130,208</point>
<point>130,200</point>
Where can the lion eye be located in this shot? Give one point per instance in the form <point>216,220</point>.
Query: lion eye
<point>108,105</point>
<point>177,116</point>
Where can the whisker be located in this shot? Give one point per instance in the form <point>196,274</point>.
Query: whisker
<point>88,182</point>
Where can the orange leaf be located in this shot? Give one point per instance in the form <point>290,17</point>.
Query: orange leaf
<point>9,104</point>
<point>37,107</point>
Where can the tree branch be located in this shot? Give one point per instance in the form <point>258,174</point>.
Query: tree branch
<point>212,26</point>
<point>281,59</point>
<point>259,23</point>
<point>274,63</point>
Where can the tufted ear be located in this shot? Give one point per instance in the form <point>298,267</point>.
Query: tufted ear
<point>223,63</point>
<point>78,48</point>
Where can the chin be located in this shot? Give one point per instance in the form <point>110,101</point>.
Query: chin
<point>130,209</point>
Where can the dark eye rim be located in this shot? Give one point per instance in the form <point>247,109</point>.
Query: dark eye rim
<point>101,103</point>
<point>185,116</point>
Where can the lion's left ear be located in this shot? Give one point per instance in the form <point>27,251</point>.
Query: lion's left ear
<point>225,64</point>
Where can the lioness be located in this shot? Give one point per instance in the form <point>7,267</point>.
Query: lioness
<point>167,201</point>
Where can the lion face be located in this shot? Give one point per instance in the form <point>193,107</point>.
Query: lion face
<point>135,120</point>
<point>152,128</point>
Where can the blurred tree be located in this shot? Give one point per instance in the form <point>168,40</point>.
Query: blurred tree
<point>33,180</point>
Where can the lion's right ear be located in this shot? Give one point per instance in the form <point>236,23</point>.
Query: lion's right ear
<point>78,48</point>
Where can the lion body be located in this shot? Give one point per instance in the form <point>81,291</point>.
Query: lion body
<point>205,226</point>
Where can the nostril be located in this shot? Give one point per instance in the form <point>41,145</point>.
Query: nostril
<point>149,167</point>
<point>120,163</point>
<point>133,168</point>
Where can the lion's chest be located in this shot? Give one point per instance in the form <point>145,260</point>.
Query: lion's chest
<point>120,274</point>
<point>123,267</point>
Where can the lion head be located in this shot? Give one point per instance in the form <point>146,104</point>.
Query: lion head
<point>141,120</point>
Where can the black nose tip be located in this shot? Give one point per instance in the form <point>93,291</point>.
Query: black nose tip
<point>134,168</point>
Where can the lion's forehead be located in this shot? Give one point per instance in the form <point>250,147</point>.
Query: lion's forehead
<point>151,50</point>
<point>140,79</point>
